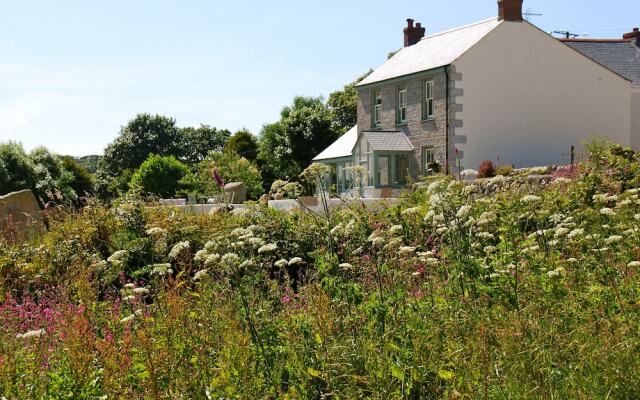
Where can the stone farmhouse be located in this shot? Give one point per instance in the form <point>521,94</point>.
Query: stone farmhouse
<point>499,89</point>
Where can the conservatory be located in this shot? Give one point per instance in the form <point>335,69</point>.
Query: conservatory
<point>384,158</point>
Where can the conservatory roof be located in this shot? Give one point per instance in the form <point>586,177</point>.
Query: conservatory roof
<point>340,148</point>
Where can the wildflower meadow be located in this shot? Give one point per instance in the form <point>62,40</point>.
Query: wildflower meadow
<point>525,293</point>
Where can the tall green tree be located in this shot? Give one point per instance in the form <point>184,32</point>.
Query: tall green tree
<point>244,144</point>
<point>344,105</point>
<point>17,170</point>
<point>144,135</point>
<point>197,143</point>
<point>304,130</point>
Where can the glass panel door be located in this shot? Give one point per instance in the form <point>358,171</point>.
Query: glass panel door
<point>383,170</point>
<point>402,169</point>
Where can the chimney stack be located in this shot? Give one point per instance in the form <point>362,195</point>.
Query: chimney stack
<point>633,36</point>
<point>413,34</point>
<point>510,10</point>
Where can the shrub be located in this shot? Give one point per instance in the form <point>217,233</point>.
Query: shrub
<point>504,170</point>
<point>160,175</point>
<point>486,169</point>
<point>232,168</point>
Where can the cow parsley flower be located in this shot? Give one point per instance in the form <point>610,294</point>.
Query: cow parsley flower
<point>634,264</point>
<point>575,233</point>
<point>561,231</point>
<point>128,319</point>
<point>129,286</point>
<point>295,261</point>
<point>485,235</point>
<point>212,259</point>
<point>530,199</point>
<point>469,173</point>
<point>118,256</point>
<point>555,273</point>
<point>607,212</point>
<point>404,250</point>
<point>345,266</point>
<point>179,249</point>
<point>561,181</point>
<point>614,239</point>
<point>201,256</point>
<point>141,291</point>
<point>396,229</point>
<point>463,211</point>
<point>281,263</point>
<point>161,269</point>
<point>267,248</point>
<point>231,259</point>
<point>411,211</point>
<point>31,334</point>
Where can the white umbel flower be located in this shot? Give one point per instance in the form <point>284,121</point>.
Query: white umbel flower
<point>267,248</point>
<point>31,334</point>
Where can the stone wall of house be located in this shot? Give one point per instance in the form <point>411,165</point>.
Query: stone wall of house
<point>420,132</point>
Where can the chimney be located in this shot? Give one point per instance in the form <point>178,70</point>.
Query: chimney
<point>413,34</point>
<point>510,10</point>
<point>633,36</point>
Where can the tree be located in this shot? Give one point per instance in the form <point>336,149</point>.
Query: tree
<point>144,135</point>
<point>160,175</point>
<point>305,129</point>
<point>83,181</point>
<point>17,171</point>
<point>244,144</point>
<point>197,143</point>
<point>52,179</point>
<point>344,105</point>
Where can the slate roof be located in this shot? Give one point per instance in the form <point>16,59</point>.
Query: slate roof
<point>388,141</point>
<point>341,147</point>
<point>620,56</point>
<point>432,51</point>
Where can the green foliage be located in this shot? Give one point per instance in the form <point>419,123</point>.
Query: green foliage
<point>197,143</point>
<point>244,144</point>
<point>18,170</point>
<point>288,146</point>
<point>83,181</point>
<point>504,170</point>
<point>160,175</point>
<point>41,171</point>
<point>153,134</point>
<point>526,293</point>
<point>232,168</point>
<point>344,105</point>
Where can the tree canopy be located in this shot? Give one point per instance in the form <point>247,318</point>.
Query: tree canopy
<point>244,144</point>
<point>344,105</point>
<point>304,130</point>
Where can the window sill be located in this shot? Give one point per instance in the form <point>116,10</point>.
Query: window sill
<point>402,123</point>
<point>428,119</point>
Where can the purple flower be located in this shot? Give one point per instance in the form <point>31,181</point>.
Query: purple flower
<point>218,178</point>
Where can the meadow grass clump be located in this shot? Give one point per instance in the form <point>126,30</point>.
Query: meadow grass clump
<point>529,293</point>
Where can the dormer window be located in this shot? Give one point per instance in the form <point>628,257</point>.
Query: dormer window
<point>377,109</point>
<point>402,106</point>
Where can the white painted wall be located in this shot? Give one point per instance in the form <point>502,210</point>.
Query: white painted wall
<point>528,98</point>
<point>635,118</point>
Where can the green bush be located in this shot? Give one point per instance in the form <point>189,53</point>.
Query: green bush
<point>504,170</point>
<point>160,175</point>
<point>232,168</point>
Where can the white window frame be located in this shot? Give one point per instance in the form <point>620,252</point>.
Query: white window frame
<point>377,109</point>
<point>402,106</point>
<point>429,105</point>
<point>428,152</point>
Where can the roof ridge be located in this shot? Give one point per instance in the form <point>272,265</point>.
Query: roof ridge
<point>595,40</point>
<point>459,28</point>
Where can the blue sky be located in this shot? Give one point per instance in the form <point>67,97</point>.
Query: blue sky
<point>72,72</point>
